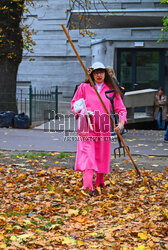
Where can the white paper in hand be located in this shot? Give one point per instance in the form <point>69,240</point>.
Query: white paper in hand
<point>78,105</point>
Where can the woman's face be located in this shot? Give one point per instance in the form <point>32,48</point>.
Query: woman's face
<point>160,92</point>
<point>99,76</point>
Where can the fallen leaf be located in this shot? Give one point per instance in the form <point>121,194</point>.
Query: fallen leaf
<point>1,236</point>
<point>73,212</point>
<point>142,247</point>
<point>143,236</point>
<point>68,241</point>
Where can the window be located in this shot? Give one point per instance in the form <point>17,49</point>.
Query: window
<point>142,68</point>
<point>147,69</point>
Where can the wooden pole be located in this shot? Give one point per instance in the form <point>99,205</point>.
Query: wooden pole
<point>93,85</point>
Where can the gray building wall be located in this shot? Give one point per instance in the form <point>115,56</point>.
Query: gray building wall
<point>55,62</point>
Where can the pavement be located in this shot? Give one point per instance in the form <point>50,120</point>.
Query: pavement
<point>141,142</point>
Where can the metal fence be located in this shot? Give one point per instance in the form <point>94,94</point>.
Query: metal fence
<point>41,101</point>
<point>31,101</point>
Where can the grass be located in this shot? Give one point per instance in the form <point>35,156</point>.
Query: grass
<point>33,155</point>
<point>37,155</point>
<point>63,155</point>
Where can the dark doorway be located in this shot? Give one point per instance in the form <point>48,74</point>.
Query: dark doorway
<point>142,68</point>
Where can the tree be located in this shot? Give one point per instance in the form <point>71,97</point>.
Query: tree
<point>11,48</point>
<point>12,42</point>
<point>164,30</point>
<point>83,20</point>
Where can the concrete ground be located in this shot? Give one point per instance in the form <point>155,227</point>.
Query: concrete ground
<point>147,147</point>
<point>141,142</point>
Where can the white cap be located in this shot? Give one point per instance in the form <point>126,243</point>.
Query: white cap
<point>97,65</point>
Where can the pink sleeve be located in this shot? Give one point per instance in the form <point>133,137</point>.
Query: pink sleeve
<point>120,108</point>
<point>77,96</point>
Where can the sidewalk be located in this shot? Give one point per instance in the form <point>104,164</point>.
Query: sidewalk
<point>141,142</point>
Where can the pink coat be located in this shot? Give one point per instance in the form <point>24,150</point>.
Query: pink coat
<point>94,152</point>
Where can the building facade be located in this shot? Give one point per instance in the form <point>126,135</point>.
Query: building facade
<point>125,37</point>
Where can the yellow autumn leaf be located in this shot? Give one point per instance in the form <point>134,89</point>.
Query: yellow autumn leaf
<point>98,190</point>
<point>94,246</point>
<point>160,176</point>
<point>68,241</point>
<point>141,197</point>
<point>128,182</point>
<point>2,218</point>
<point>143,236</point>
<point>130,216</point>
<point>151,156</point>
<point>80,242</point>
<point>112,182</point>
<point>25,236</point>
<point>21,176</point>
<point>73,212</point>
<point>13,238</point>
<point>165,213</point>
<point>43,160</point>
<point>151,244</point>
<point>106,183</point>
<point>67,190</point>
<point>51,192</point>
<point>117,165</point>
<point>42,172</point>
<point>126,211</point>
<point>8,227</point>
<point>27,222</point>
<point>8,185</point>
<point>1,236</point>
<point>142,247</point>
<point>3,246</point>
<point>85,194</point>
<point>166,185</point>
<point>38,230</point>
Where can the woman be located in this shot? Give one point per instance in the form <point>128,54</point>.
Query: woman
<point>93,152</point>
<point>161,108</point>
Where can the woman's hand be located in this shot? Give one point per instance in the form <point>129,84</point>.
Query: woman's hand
<point>119,126</point>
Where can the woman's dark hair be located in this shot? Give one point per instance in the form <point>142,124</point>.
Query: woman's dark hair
<point>108,80</point>
<point>161,88</point>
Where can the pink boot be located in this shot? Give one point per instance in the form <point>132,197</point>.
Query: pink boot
<point>99,180</point>
<point>88,180</point>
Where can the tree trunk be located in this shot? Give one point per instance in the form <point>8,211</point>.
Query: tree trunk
<point>8,74</point>
<point>11,46</point>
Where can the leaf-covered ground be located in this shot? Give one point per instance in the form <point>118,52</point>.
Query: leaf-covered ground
<point>43,206</point>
